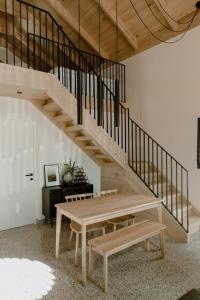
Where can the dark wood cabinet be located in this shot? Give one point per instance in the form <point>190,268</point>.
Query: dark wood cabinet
<point>56,194</point>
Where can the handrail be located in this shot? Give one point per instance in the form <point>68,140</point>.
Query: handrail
<point>81,52</point>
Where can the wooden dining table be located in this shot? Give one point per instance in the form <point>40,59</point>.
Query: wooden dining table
<point>103,208</point>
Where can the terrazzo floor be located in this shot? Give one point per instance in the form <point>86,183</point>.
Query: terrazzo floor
<point>133,273</point>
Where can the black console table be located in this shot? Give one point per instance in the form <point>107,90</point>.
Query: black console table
<point>56,194</point>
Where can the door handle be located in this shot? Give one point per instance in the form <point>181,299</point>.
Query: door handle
<point>29,175</point>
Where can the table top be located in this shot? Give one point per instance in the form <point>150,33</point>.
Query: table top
<point>106,207</point>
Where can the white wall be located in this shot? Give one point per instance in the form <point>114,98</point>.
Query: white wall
<point>164,97</point>
<point>51,145</point>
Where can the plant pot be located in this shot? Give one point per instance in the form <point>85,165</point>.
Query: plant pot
<point>68,178</point>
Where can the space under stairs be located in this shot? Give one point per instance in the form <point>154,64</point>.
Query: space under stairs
<point>83,95</point>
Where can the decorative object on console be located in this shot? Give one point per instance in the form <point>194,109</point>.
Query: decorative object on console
<point>69,172</point>
<point>80,176</point>
<point>51,174</point>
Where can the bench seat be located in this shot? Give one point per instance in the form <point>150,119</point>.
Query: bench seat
<point>121,239</point>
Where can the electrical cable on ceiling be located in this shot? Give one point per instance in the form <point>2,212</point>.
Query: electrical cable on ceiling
<point>152,33</point>
<point>163,24</point>
<point>178,22</point>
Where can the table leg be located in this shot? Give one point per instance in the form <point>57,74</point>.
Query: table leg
<point>160,220</point>
<point>84,258</point>
<point>58,230</point>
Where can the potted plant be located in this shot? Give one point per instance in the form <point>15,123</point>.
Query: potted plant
<point>69,172</point>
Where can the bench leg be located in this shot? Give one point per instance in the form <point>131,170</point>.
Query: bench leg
<point>105,263</point>
<point>114,227</point>
<point>91,262</point>
<point>76,251</point>
<point>162,243</point>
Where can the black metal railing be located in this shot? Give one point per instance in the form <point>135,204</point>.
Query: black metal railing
<point>33,39</point>
<point>26,24</point>
<point>92,88</point>
<point>160,172</point>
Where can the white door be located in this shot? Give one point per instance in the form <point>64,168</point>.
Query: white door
<point>16,162</point>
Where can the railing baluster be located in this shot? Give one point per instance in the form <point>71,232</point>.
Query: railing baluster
<point>125,129</point>
<point>187,199</point>
<point>20,18</point>
<point>144,155</point>
<point>34,38</point>
<point>136,148</point>
<point>181,195</point>
<point>166,181</point>
<point>40,40</point>
<point>140,151</point>
<point>162,172</point>
<point>176,190</point>
<point>152,145</point>
<point>13,29</point>
<point>157,163</point>
<point>148,167</point>
<point>171,185</point>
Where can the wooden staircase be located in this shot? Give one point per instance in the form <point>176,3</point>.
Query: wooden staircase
<point>54,101</point>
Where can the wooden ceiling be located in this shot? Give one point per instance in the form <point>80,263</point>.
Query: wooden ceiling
<point>133,36</point>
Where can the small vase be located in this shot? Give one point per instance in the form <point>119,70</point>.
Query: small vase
<point>68,178</point>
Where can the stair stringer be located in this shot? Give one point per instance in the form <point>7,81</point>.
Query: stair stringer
<point>33,85</point>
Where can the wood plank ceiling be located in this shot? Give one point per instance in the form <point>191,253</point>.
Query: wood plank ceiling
<point>133,37</point>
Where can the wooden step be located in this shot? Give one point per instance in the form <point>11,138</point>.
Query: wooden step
<point>62,118</point>
<point>145,167</point>
<point>101,156</point>
<point>92,147</point>
<point>152,177</point>
<point>73,128</point>
<point>51,107</point>
<point>162,186</point>
<point>82,138</point>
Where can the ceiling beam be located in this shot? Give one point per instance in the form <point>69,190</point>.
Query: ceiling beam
<point>58,6</point>
<point>162,5</point>
<point>110,12</point>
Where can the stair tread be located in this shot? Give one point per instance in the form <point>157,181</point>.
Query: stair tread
<point>73,128</point>
<point>101,156</point>
<point>62,117</point>
<point>82,138</point>
<point>52,106</point>
<point>92,147</point>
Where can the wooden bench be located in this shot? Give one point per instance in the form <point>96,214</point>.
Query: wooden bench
<point>119,240</point>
